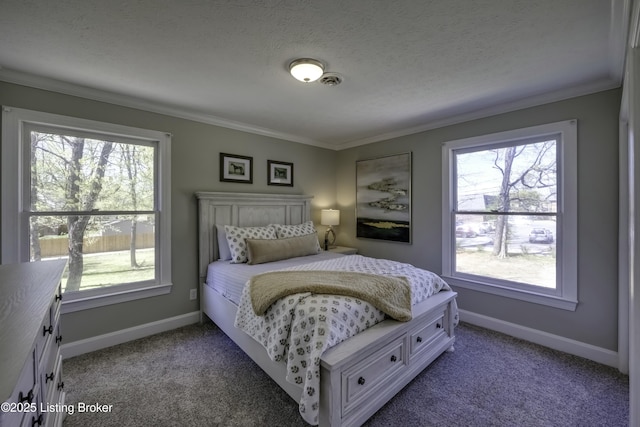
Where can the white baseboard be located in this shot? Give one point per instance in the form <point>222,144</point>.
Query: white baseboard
<point>556,342</point>
<point>88,345</point>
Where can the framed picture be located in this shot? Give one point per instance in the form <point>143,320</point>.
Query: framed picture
<point>383,198</point>
<point>235,168</point>
<point>279,173</point>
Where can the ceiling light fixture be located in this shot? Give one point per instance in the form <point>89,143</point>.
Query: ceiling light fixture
<point>306,70</point>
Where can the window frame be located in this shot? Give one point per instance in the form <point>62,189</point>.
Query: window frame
<point>15,189</point>
<point>565,295</point>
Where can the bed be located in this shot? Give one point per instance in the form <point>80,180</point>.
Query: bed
<point>358,375</point>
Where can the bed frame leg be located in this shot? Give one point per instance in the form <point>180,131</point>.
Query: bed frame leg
<point>451,349</point>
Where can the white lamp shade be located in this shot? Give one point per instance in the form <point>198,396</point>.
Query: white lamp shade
<point>306,70</point>
<point>330,217</point>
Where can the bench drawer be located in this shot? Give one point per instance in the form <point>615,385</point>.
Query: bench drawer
<point>361,380</point>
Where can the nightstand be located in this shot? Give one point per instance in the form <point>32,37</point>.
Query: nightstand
<point>343,250</point>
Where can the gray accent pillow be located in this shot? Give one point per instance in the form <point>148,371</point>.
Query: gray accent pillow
<point>261,251</point>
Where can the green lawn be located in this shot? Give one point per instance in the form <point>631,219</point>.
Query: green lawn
<point>535,269</point>
<point>112,268</point>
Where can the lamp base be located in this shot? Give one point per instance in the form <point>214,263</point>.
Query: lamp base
<point>329,244</point>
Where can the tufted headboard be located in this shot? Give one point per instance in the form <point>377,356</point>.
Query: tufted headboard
<point>243,210</point>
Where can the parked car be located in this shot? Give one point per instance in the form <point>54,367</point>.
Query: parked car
<point>465,230</point>
<point>540,235</point>
<point>487,227</point>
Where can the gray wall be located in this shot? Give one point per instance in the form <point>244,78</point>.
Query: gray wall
<point>195,167</point>
<point>596,317</point>
<point>330,177</point>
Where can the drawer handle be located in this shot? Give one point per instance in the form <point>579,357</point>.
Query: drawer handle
<point>61,385</point>
<point>419,339</point>
<point>59,339</point>
<point>45,330</point>
<point>361,381</point>
<point>438,326</point>
<point>59,297</point>
<point>35,420</point>
<point>393,358</point>
<point>48,377</point>
<point>27,398</point>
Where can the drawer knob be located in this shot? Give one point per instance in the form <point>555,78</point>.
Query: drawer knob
<point>45,330</point>
<point>58,297</point>
<point>419,339</point>
<point>393,358</point>
<point>438,326</point>
<point>37,421</point>
<point>27,398</point>
<point>361,381</point>
<point>61,385</point>
<point>48,377</point>
<point>59,339</point>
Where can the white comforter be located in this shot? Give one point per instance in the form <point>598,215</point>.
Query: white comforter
<point>299,328</point>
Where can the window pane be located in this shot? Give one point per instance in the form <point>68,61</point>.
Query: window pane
<point>518,178</point>
<point>70,173</point>
<point>105,256</point>
<point>526,256</point>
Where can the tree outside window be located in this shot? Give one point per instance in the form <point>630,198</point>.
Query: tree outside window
<point>509,213</point>
<point>89,198</point>
<point>97,194</point>
<point>503,194</point>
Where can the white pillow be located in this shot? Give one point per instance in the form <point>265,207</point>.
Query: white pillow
<point>303,229</point>
<point>236,239</point>
<point>223,247</point>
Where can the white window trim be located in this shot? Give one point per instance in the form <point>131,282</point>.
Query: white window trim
<point>14,247</point>
<point>567,239</point>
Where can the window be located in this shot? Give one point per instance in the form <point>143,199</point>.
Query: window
<point>94,193</point>
<point>509,214</point>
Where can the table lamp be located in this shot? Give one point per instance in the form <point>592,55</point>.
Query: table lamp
<point>329,217</point>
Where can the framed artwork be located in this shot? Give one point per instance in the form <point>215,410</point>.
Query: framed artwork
<point>235,168</point>
<point>383,198</point>
<point>279,173</point>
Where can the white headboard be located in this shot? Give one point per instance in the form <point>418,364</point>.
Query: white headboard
<point>243,210</point>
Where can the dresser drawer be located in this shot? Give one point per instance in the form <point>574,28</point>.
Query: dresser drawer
<point>23,400</point>
<point>57,301</point>
<point>51,390</point>
<point>365,377</point>
<point>45,332</point>
<point>421,338</point>
<point>48,369</point>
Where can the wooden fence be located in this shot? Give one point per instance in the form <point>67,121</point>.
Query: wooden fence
<point>59,245</point>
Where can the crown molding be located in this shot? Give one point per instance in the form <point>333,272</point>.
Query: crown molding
<point>39,82</point>
<point>66,88</point>
<point>534,101</point>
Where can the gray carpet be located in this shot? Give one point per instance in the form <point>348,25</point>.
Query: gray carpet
<point>196,376</point>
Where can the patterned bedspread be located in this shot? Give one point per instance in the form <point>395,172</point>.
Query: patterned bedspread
<point>298,328</point>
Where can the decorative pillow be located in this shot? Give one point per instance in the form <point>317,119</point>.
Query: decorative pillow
<point>296,230</point>
<point>223,246</point>
<point>261,251</point>
<point>236,239</point>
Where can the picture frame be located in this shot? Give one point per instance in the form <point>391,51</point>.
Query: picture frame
<point>383,198</point>
<point>236,168</point>
<point>279,173</point>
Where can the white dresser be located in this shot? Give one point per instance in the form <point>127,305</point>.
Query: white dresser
<point>31,386</point>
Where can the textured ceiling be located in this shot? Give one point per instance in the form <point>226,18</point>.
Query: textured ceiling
<point>408,65</point>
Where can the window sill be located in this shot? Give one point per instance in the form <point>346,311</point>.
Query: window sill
<point>79,303</point>
<point>523,295</point>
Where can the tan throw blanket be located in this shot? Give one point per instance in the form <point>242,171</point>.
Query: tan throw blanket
<point>390,294</point>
